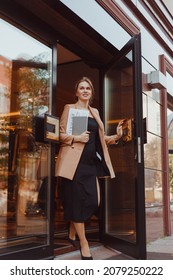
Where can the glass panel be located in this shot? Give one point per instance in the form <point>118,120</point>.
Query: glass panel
<point>153,188</point>
<point>153,124</point>
<point>154,94</point>
<point>171,179</point>
<point>170,131</point>
<point>120,192</point>
<point>153,152</point>
<point>154,223</point>
<point>170,150</point>
<point>145,114</point>
<point>147,68</point>
<point>169,83</point>
<point>24,96</point>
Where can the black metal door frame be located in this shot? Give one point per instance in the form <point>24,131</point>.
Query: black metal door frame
<point>137,249</point>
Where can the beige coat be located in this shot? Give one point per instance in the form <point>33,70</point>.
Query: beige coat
<point>70,153</point>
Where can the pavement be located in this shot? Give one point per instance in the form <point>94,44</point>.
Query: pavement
<point>160,249</point>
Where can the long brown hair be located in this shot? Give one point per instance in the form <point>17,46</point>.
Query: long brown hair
<point>85,79</point>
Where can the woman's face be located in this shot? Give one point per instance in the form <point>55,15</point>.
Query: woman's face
<point>84,91</point>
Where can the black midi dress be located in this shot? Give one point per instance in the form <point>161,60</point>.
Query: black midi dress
<point>79,196</point>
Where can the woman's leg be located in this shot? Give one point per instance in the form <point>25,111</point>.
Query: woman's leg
<point>80,229</point>
<point>72,231</point>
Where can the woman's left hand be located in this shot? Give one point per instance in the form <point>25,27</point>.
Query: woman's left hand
<point>120,129</point>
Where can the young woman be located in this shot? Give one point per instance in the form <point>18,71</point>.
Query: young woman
<point>82,159</point>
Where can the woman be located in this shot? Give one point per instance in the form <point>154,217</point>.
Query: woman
<point>81,160</point>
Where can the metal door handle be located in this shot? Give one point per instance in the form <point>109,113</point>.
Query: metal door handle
<point>139,149</point>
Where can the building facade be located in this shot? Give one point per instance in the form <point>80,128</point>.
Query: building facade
<point>125,47</point>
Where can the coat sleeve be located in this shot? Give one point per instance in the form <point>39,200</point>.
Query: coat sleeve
<point>109,139</point>
<point>64,137</point>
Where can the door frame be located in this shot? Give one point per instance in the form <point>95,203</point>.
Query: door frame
<point>136,250</point>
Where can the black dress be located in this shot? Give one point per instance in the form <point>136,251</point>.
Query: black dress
<point>79,196</point>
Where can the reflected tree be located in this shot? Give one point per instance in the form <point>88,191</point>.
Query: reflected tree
<point>152,160</point>
<point>33,83</point>
<point>153,153</point>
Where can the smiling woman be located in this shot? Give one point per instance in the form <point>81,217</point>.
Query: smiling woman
<point>82,159</point>
<point>85,89</point>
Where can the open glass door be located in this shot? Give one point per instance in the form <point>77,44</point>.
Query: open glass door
<point>124,221</point>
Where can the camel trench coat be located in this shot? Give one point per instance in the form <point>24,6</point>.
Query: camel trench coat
<point>70,153</point>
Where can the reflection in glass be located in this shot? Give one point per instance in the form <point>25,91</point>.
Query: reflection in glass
<point>154,222</point>
<point>120,192</point>
<point>170,150</point>
<point>24,96</point>
<point>171,179</point>
<point>146,66</point>
<point>153,166</point>
<point>169,83</point>
<point>153,152</point>
<point>154,94</point>
<point>154,116</point>
<point>153,187</point>
<point>170,131</point>
<point>144,106</point>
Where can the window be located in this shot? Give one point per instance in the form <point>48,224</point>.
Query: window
<point>25,75</point>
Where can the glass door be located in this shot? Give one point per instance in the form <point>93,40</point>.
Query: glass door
<point>25,91</point>
<point>124,221</point>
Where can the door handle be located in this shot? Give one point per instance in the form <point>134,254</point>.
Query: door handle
<point>139,149</point>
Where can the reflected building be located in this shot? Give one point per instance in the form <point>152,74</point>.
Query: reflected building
<point>170,147</point>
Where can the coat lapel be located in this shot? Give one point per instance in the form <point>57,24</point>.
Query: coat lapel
<point>101,126</point>
<point>97,118</point>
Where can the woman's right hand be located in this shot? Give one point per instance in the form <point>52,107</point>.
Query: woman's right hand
<point>83,138</point>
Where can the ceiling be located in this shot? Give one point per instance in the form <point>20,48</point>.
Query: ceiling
<point>66,56</point>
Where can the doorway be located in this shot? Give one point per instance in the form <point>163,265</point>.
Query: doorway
<point>122,226</point>
<point>71,68</point>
